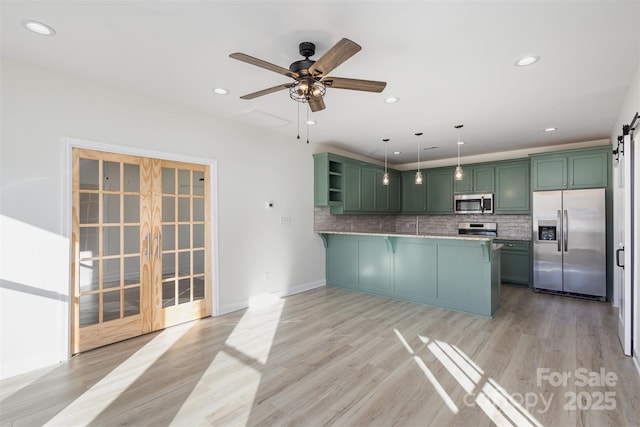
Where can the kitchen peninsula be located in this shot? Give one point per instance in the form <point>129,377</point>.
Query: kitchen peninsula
<point>455,272</point>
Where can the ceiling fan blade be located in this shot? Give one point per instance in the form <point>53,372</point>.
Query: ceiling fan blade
<point>263,64</point>
<point>335,56</point>
<point>266,91</point>
<point>316,104</point>
<point>354,84</point>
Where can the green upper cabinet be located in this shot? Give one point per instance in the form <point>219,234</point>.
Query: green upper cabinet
<point>582,168</point>
<point>351,186</point>
<point>439,190</point>
<point>477,179</point>
<point>513,192</point>
<point>414,196</point>
<point>328,171</point>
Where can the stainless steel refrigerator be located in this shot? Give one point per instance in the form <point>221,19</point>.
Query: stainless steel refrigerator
<point>569,243</point>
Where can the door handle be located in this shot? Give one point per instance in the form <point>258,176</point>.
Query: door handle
<point>618,258</point>
<point>565,231</point>
<point>147,237</point>
<point>158,245</point>
<point>481,204</point>
<point>558,234</point>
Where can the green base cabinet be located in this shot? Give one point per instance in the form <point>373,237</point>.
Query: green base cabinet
<point>516,262</point>
<point>573,169</point>
<point>418,269</point>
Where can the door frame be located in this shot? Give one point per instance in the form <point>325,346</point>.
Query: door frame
<point>67,193</point>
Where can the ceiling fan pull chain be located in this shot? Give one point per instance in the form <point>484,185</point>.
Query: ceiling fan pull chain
<point>298,137</point>
<point>308,125</point>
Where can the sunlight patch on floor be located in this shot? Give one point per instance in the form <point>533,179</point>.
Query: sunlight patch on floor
<point>91,403</point>
<point>245,353</point>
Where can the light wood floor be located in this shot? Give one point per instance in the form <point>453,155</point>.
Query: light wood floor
<point>336,357</point>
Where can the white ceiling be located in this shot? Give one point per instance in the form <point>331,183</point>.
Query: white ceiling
<point>449,62</point>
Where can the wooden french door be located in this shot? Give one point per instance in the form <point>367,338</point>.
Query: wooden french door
<point>140,242</point>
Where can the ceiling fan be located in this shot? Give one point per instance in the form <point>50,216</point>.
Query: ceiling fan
<point>310,77</point>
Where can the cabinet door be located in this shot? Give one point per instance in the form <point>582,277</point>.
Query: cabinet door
<point>465,185</point>
<point>483,179</point>
<point>588,170</point>
<point>382,193</point>
<point>351,188</point>
<point>549,173</point>
<point>368,189</point>
<point>515,266</point>
<point>440,191</point>
<point>513,193</point>
<point>413,196</point>
<point>394,192</point>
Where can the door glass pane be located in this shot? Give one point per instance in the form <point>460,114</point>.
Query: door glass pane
<point>111,273</point>
<point>111,241</point>
<point>184,181</point>
<point>131,177</point>
<point>168,208</point>
<point>111,208</point>
<point>198,288</point>
<point>88,210</point>
<point>89,174</point>
<point>198,235</point>
<point>184,263</point>
<point>184,237</point>
<point>89,275</point>
<point>198,183</point>
<point>169,294</point>
<point>184,291</point>
<point>169,265</point>
<point>88,242</point>
<point>131,208</point>
<point>198,262</point>
<point>89,309</point>
<point>184,207</point>
<point>132,270</point>
<point>168,237</point>
<point>110,306</point>
<point>131,301</point>
<point>168,181</point>
<point>198,209</point>
<point>132,239</point>
<point>111,172</point>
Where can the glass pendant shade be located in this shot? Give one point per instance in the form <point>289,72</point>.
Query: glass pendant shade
<point>385,178</point>
<point>459,173</point>
<point>418,178</point>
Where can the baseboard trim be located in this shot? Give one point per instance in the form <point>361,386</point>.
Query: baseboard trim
<point>240,305</point>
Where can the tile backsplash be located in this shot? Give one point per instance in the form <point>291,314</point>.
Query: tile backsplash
<point>509,226</point>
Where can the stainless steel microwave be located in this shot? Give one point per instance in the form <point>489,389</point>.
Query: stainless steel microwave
<point>473,203</point>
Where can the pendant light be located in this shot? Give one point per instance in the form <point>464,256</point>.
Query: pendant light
<point>385,176</point>
<point>418,173</point>
<point>459,173</point>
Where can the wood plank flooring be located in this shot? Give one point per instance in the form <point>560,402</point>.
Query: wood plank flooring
<point>335,357</point>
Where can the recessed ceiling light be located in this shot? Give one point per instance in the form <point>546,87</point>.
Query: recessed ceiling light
<point>460,142</point>
<point>397,153</point>
<point>39,28</point>
<point>220,91</point>
<point>311,122</point>
<point>527,60</point>
<point>391,100</point>
<point>550,129</point>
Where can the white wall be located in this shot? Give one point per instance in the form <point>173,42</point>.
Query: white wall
<point>630,107</point>
<point>39,108</point>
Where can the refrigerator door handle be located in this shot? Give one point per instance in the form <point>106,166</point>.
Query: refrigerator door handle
<point>560,232</point>
<point>565,230</point>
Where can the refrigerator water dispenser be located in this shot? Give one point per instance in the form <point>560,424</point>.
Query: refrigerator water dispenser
<point>547,231</point>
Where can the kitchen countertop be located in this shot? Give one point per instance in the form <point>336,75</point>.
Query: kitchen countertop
<point>421,236</point>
